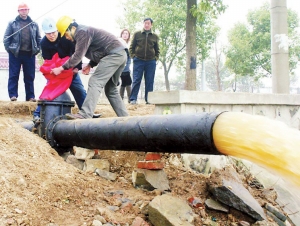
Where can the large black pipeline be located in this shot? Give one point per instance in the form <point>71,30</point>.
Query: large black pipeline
<point>177,133</point>
<point>48,111</point>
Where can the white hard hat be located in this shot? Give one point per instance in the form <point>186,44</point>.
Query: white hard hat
<point>49,25</point>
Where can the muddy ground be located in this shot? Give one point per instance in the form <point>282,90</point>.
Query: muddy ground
<point>37,187</point>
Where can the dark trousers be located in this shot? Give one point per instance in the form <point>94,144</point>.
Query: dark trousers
<point>28,65</point>
<point>126,79</point>
<point>140,68</point>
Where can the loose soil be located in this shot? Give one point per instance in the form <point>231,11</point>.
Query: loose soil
<point>37,187</point>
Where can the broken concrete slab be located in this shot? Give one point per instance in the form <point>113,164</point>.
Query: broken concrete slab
<point>167,210</point>
<point>214,205</point>
<point>83,153</point>
<point>90,165</point>
<point>105,174</point>
<point>71,159</point>
<point>150,179</point>
<point>228,189</point>
<point>287,195</point>
<point>205,164</point>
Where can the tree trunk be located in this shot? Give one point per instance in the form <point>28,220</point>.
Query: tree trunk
<point>166,76</point>
<point>218,59</point>
<point>191,48</point>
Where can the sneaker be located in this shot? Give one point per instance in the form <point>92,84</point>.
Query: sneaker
<point>133,102</point>
<point>74,116</point>
<point>96,115</point>
<point>13,99</point>
<point>32,100</point>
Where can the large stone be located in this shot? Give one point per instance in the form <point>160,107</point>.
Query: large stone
<point>286,193</point>
<point>214,205</point>
<point>105,174</point>
<point>83,153</point>
<point>90,165</point>
<point>167,210</point>
<point>205,164</point>
<point>71,159</point>
<point>228,189</point>
<point>150,179</point>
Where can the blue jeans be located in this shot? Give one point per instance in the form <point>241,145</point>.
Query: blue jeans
<point>141,67</point>
<point>78,91</point>
<point>28,64</point>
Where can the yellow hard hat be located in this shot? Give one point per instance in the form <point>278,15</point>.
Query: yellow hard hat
<point>63,23</point>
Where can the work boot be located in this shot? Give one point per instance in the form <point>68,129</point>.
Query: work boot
<point>122,91</point>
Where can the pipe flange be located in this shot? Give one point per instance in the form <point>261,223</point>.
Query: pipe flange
<point>49,130</point>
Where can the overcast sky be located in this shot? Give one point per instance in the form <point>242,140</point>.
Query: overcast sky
<point>103,13</point>
<point>238,9</point>
<point>97,13</point>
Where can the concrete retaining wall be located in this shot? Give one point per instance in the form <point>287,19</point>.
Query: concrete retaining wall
<point>282,107</point>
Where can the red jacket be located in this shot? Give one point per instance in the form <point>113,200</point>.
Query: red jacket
<point>57,84</point>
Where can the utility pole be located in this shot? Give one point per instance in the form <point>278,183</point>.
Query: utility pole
<point>279,47</point>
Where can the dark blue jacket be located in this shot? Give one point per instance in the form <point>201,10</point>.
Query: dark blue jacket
<point>62,46</point>
<point>12,37</point>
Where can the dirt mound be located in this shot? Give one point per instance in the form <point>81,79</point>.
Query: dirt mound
<point>37,187</point>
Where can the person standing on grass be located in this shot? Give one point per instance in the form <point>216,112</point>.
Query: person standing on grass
<point>144,50</point>
<point>22,42</point>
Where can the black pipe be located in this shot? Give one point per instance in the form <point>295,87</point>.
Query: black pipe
<point>50,109</point>
<point>177,133</point>
<point>27,125</point>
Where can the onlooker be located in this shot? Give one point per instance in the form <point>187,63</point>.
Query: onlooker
<point>53,43</point>
<point>125,76</point>
<point>22,42</point>
<point>144,50</point>
<point>104,50</point>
